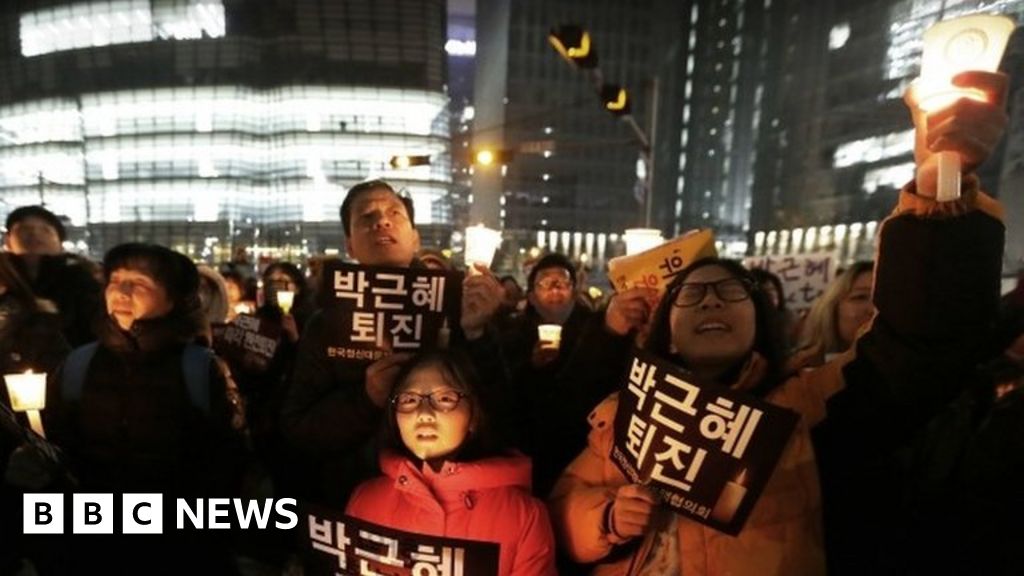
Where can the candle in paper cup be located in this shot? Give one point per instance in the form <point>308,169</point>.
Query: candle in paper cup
<point>27,391</point>
<point>28,394</point>
<point>481,244</point>
<point>550,336</point>
<point>285,299</point>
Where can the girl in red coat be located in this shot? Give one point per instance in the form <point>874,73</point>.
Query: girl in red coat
<point>444,476</point>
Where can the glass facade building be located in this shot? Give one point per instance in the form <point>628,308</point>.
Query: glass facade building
<point>206,125</point>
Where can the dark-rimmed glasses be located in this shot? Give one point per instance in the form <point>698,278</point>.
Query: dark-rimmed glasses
<point>727,290</point>
<point>440,400</point>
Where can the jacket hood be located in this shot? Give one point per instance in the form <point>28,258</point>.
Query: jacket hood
<point>513,471</point>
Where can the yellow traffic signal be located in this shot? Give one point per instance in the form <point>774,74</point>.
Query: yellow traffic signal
<point>616,99</point>
<point>573,43</point>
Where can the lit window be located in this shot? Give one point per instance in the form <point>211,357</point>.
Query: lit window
<point>838,36</point>
<point>88,24</point>
<point>874,149</point>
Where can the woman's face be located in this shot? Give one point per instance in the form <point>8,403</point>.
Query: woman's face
<point>234,292</point>
<point>278,281</point>
<point>712,319</point>
<point>854,309</point>
<point>132,295</point>
<point>432,427</point>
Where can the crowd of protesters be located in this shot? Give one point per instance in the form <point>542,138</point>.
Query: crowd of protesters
<point>906,458</point>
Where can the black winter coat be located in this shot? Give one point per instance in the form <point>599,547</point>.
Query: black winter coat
<point>134,429</point>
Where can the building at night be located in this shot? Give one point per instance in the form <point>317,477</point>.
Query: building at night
<point>207,125</point>
<point>569,181</point>
<point>835,140</point>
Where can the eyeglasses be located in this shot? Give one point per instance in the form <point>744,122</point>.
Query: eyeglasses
<point>549,285</point>
<point>440,400</point>
<point>727,290</point>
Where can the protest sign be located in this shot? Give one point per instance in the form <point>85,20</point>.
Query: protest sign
<point>707,452</point>
<point>372,312</point>
<point>656,267</point>
<point>804,276</point>
<point>247,341</point>
<point>337,544</point>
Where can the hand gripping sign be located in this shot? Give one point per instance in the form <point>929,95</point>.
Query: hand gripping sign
<point>707,453</point>
<point>373,311</point>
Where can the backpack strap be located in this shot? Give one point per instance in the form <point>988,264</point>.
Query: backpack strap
<point>72,374</point>
<point>195,364</point>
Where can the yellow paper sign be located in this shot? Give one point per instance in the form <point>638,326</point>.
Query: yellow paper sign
<point>656,267</point>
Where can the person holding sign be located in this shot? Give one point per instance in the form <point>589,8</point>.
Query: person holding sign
<point>936,292</point>
<point>445,474</point>
<point>333,408</point>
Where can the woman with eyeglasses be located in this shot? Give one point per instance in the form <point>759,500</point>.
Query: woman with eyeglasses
<point>936,292</point>
<point>446,474</point>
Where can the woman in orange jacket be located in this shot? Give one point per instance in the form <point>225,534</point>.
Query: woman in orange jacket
<point>936,288</point>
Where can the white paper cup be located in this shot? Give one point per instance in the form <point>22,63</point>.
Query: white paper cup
<point>27,391</point>
<point>285,299</point>
<point>481,244</point>
<point>550,336</point>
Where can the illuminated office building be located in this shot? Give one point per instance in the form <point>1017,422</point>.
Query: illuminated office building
<point>835,140</point>
<point>207,124</point>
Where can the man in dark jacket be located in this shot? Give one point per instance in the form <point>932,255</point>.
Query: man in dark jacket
<point>34,238</point>
<point>333,408</point>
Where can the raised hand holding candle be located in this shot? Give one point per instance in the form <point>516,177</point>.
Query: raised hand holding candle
<point>28,394</point>
<point>285,299</point>
<point>950,47</point>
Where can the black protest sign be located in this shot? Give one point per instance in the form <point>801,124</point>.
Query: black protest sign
<point>247,342</point>
<point>372,312</point>
<point>707,452</point>
<point>337,544</point>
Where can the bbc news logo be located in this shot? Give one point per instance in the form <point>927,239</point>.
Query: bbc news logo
<point>144,514</point>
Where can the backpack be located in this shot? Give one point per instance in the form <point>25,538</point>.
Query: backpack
<point>195,365</point>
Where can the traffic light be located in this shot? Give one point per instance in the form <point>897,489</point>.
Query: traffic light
<point>401,162</point>
<point>573,43</point>
<point>488,156</point>
<point>616,99</point>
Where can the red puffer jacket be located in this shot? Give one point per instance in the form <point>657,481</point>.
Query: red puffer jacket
<point>486,500</point>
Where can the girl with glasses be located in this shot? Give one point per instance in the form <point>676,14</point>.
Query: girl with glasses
<point>445,474</point>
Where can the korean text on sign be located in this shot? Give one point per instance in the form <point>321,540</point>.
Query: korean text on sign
<point>360,548</point>
<point>688,441</point>
<point>804,276</point>
<point>388,309</point>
